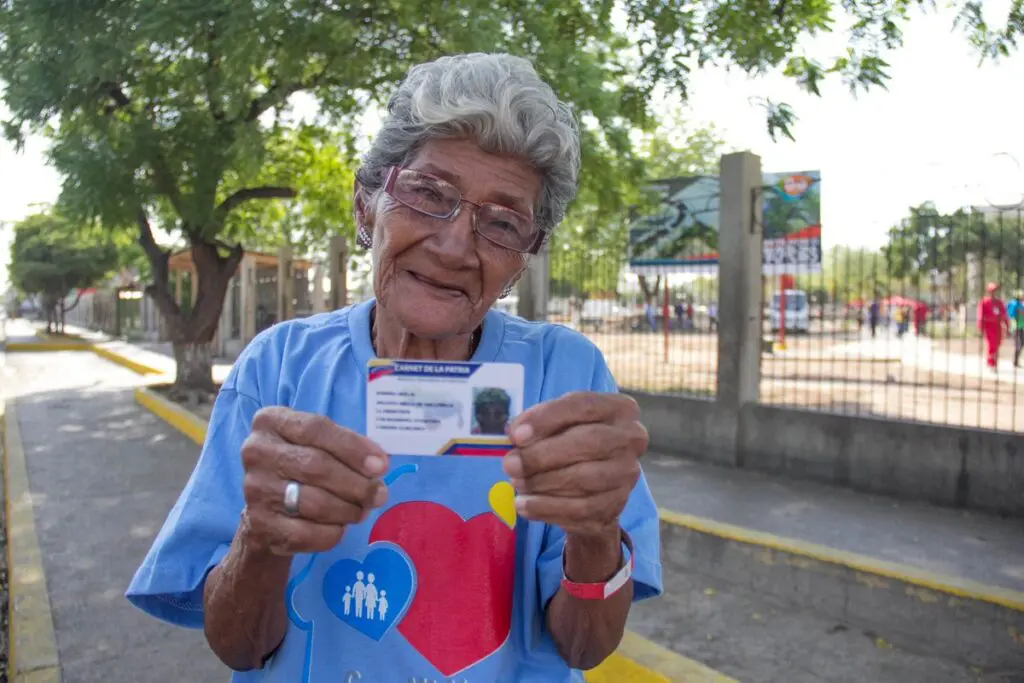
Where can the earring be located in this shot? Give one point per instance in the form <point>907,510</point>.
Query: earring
<point>363,238</point>
<point>509,287</point>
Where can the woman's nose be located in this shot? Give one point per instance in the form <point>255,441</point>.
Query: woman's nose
<point>456,241</point>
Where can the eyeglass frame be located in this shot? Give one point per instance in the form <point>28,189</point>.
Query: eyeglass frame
<point>389,184</point>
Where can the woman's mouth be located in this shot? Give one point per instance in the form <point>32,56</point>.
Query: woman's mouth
<point>436,285</point>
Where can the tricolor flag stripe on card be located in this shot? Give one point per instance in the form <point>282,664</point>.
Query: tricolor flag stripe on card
<point>477,447</point>
<point>380,368</point>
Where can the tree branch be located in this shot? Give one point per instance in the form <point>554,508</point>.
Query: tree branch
<point>279,93</point>
<point>78,299</point>
<point>159,259</point>
<point>247,193</point>
<point>114,91</point>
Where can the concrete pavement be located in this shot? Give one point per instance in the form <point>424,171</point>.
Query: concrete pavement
<point>103,473</point>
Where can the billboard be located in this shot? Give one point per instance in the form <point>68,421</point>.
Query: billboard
<point>681,234</point>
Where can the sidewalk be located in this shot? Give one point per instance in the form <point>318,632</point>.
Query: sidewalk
<point>954,543</point>
<point>157,355</point>
<point>103,473</point>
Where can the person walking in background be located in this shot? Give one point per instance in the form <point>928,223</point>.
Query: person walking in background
<point>1015,312</point>
<point>920,318</point>
<point>873,316</point>
<point>992,321</point>
<point>900,318</point>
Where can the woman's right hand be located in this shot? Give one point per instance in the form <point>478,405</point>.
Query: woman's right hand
<point>338,472</point>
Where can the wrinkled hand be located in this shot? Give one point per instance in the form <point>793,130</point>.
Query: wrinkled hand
<point>338,472</point>
<point>576,460</point>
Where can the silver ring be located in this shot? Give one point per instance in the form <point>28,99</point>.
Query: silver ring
<point>291,498</point>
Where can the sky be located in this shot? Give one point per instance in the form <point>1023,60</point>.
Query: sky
<point>946,130</point>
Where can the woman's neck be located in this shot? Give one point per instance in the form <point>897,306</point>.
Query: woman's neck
<point>391,340</point>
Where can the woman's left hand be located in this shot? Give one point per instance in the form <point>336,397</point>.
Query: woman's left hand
<point>576,460</point>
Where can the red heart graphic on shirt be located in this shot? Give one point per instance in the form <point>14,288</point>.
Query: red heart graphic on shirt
<point>465,569</point>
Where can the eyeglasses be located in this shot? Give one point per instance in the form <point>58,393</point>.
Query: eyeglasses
<point>438,198</point>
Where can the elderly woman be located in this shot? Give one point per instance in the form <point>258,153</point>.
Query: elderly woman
<point>306,552</point>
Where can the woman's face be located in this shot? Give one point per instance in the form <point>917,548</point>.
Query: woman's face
<point>438,277</point>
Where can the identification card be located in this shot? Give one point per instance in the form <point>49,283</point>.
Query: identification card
<point>442,408</point>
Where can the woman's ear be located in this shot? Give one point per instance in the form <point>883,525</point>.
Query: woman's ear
<point>364,219</point>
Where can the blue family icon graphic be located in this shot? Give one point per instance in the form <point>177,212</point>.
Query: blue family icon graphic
<point>371,596</point>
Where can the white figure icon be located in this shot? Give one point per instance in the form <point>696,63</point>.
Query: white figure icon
<point>371,596</point>
<point>359,591</point>
<point>347,600</point>
<point>382,605</point>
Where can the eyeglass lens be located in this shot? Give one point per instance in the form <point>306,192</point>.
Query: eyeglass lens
<point>440,199</point>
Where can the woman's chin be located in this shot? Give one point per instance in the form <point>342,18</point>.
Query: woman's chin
<point>432,319</point>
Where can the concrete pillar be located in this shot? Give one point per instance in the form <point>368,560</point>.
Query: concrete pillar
<point>247,299</point>
<point>739,279</point>
<point>319,303</point>
<point>533,288</point>
<point>337,271</point>
<point>178,277</point>
<point>285,284</point>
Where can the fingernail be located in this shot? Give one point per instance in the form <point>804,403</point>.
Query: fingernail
<point>513,466</point>
<point>520,504</point>
<point>521,434</point>
<point>374,464</point>
<point>381,496</point>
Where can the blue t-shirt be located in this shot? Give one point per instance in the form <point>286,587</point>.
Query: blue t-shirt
<point>434,586</point>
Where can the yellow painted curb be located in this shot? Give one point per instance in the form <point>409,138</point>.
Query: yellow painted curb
<point>47,346</point>
<point>132,365</point>
<point>189,424</point>
<point>963,588</point>
<point>640,661</point>
<point>101,351</point>
<point>33,655</point>
<point>633,662</point>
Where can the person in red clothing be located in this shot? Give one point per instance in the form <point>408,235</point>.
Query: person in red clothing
<point>920,318</point>
<point>992,320</point>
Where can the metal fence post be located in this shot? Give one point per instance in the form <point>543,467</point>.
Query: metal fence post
<point>739,277</point>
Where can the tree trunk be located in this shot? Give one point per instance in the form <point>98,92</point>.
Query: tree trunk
<point>194,366</point>
<point>192,332</point>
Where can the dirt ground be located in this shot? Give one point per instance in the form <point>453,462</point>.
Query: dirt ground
<point>809,375</point>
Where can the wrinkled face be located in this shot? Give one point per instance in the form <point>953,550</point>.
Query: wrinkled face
<point>438,277</point>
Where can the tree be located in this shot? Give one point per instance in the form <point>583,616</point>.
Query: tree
<point>175,113</point>
<point>50,257</point>
<point>763,35</point>
<point>938,248</point>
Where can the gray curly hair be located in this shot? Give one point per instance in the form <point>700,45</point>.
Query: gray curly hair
<point>495,99</point>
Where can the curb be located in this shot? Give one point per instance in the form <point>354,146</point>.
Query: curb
<point>636,660</point>
<point>952,586</point>
<point>101,351</point>
<point>47,346</point>
<point>179,418</point>
<point>33,655</point>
